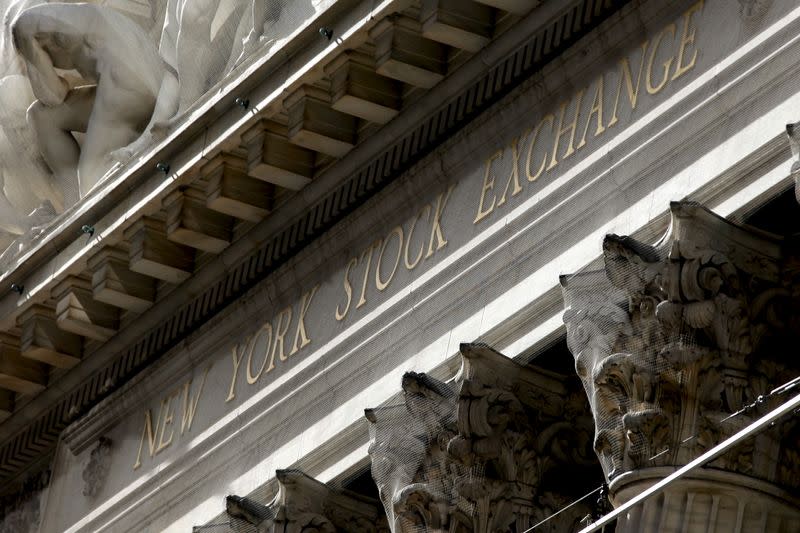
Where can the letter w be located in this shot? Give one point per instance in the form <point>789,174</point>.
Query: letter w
<point>190,403</point>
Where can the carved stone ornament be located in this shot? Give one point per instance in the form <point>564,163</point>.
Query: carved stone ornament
<point>670,340</point>
<point>103,69</point>
<point>482,455</point>
<point>305,505</point>
<point>410,465</point>
<point>96,469</point>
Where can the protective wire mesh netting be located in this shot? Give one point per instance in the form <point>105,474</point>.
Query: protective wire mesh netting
<point>411,466</point>
<point>644,375</point>
<point>660,389</point>
<point>87,87</point>
<point>640,372</point>
<point>683,343</point>
<point>636,516</point>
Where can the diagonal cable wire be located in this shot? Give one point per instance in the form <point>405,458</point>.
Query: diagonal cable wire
<point>598,489</point>
<point>789,407</point>
<point>777,391</point>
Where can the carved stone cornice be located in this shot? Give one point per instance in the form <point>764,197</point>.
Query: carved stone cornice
<point>672,339</point>
<point>480,456</point>
<point>160,238</point>
<point>305,505</point>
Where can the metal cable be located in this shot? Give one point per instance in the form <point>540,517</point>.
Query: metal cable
<point>598,489</point>
<point>777,391</point>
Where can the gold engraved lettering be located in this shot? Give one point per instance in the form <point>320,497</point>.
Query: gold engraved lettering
<point>190,404</point>
<point>409,265</point>
<point>368,255</point>
<point>280,332</point>
<point>533,177</point>
<point>488,184</point>
<point>250,344</point>
<point>514,176</point>
<point>687,38</point>
<point>166,405</point>
<point>348,290</point>
<point>301,339</point>
<point>151,437</point>
<point>596,110</point>
<point>625,74</point>
<point>165,418</point>
<point>237,357</point>
<point>561,130</point>
<point>436,227</point>
<point>667,64</point>
<point>379,283</point>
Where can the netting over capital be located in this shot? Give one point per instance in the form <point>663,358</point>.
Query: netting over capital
<point>491,452</point>
<point>678,346</point>
<point>86,87</point>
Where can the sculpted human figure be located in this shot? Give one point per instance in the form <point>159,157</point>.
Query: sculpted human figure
<point>255,29</point>
<point>202,40</point>
<point>29,196</point>
<point>122,73</point>
<point>192,63</point>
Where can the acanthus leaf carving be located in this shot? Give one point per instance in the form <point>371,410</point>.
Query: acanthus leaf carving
<point>492,448</point>
<point>410,465</point>
<point>694,316</point>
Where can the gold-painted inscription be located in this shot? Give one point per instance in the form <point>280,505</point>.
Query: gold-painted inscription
<point>630,89</point>
<point>258,350</point>
<point>648,70</point>
<point>396,244</point>
<point>301,339</point>
<point>596,110</point>
<point>687,39</point>
<point>161,433</point>
<point>264,334</point>
<point>655,89</point>
<point>550,120</point>
<point>397,232</point>
<point>411,265</point>
<point>570,127</point>
<point>378,263</point>
<point>348,289</point>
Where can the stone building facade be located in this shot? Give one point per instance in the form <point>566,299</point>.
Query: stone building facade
<point>407,266</point>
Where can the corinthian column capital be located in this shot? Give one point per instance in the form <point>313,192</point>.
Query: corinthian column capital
<point>486,453</point>
<point>672,339</point>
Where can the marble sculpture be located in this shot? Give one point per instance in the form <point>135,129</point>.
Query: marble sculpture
<point>113,99</point>
<point>29,195</point>
<point>83,88</point>
<point>225,30</point>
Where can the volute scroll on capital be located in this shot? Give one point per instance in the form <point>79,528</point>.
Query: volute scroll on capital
<point>490,448</point>
<point>671,339</point>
